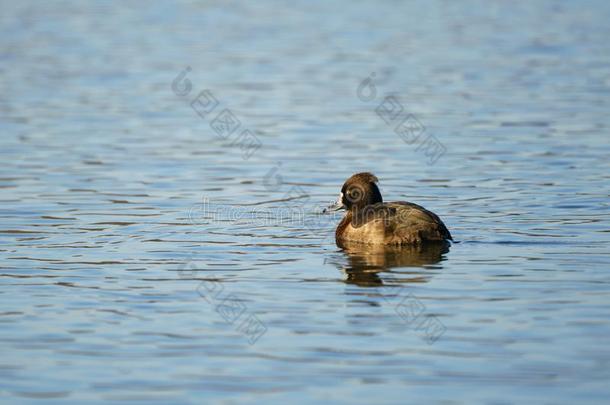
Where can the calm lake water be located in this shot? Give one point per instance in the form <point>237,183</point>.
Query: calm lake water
<point>151,256</point>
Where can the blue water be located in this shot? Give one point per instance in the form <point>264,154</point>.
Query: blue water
<point>151,255</point>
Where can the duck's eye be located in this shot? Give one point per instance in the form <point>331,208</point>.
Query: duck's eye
<point>355,194</point>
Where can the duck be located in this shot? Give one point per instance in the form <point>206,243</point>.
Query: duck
<point>370,221</point>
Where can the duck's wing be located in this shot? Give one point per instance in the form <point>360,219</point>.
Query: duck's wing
<point>411,215</point>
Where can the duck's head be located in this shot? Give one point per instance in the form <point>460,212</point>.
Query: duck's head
<point>357,192</point>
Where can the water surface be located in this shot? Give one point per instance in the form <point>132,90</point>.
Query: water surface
<point>146,260</point>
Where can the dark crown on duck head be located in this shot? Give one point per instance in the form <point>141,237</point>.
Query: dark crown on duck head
<point>360,190</point>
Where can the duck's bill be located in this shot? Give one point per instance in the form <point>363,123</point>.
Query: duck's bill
<point>335,207</point>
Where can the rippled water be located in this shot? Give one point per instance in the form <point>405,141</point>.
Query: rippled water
<point>146,258</point>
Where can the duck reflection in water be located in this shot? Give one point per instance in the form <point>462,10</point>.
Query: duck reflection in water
<point>366,262</point>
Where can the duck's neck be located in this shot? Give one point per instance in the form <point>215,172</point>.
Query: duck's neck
<point>375,195</point>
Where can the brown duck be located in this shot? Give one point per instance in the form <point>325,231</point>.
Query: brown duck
<point>369,220</point>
